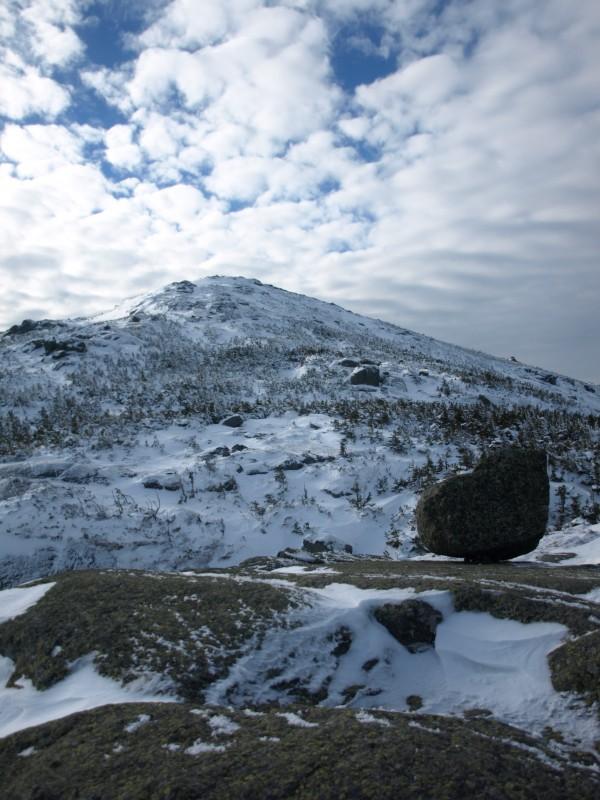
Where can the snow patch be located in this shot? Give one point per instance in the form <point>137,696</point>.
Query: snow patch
<point>24,706</point>
<point>137,723</point>
<point>297,721</point>
<point>14,602</point>
<point>199,747</point>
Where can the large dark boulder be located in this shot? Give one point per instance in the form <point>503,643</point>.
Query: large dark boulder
<point>366,376</point>
<point>412,622</point>
<point>498,511</point>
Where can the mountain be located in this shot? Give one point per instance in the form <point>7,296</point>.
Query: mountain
<point>113,454</point>
<point>211,582</point>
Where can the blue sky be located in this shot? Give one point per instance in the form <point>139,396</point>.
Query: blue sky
<point>431,162</point>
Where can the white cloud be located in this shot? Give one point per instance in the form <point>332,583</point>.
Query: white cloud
<point>24,90</point>
<point>182,26</point>
<point>39,149</point>
<point>456,195</point>
<point>51,35</point>
<point>176,204</point>
<point>121,151</point>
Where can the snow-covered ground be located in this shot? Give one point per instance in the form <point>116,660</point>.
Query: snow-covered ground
<point>112,455</point>
<point>479,662</point>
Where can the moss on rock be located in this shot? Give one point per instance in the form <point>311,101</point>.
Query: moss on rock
<point>183,753</point>
<point>188,629</point>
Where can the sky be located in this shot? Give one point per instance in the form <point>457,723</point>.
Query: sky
<point>434,163</point>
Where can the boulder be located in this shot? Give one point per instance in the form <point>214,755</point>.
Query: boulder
<point>497,512</point>
<point>348,362</point>
<point>413,623</point>
<point>233,421</point>
<point>29,325</point>
<point>165,480</point>
<point>366,376</point>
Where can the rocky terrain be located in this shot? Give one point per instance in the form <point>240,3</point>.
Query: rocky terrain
<point>211,578</point>
<point>274,679</point>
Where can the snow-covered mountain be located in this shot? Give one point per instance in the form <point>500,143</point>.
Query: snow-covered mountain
<point>113,452</point>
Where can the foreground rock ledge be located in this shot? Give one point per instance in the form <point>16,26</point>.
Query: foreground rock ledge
<point>148,751</point>
<point>497,512</point>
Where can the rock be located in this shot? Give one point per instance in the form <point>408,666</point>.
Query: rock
<point>485,401</point>
<point>233,421</point>
<point>184,287</point>
<point>291,464</point>
<point>228,485</point>
<point>589,388</point>
<point>497,512</point>
<point>60,349</point>
<point>167,480</point>
<point>549,378</point>
<point>366,376</point>
<point>316,546</point>
<point>223,450</point>
<point>311,458</point>
<point>413,623</point>
<point>424,373</point>
<point>238,448</point>
<point>80,473</point>
<point>29,325</point>
<point>368,362</point>
<point>49,469</point>
<point>348,362</point>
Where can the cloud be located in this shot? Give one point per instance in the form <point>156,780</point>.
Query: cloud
<point>39,149</point>
<point>24,90</point>
<point>35,37</point>
<point>457,194</point>
<point>120,148</point>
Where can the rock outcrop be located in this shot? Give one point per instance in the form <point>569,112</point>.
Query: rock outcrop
<point>368,375</point>
<point>413,623</point>
<point>497,512</point>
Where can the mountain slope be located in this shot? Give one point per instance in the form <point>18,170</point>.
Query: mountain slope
<point>113,454</point>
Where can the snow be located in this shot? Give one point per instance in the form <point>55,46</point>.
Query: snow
<point>577,544</point>
<point>199,747</point>
<point>296,721</point>
<point>478,661</point>
<point>369,719</point>
<point>222,725</point>
<point>14,602</point>
<point>132,727</point>
<point>24,706</point>
<point>297,569</point>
